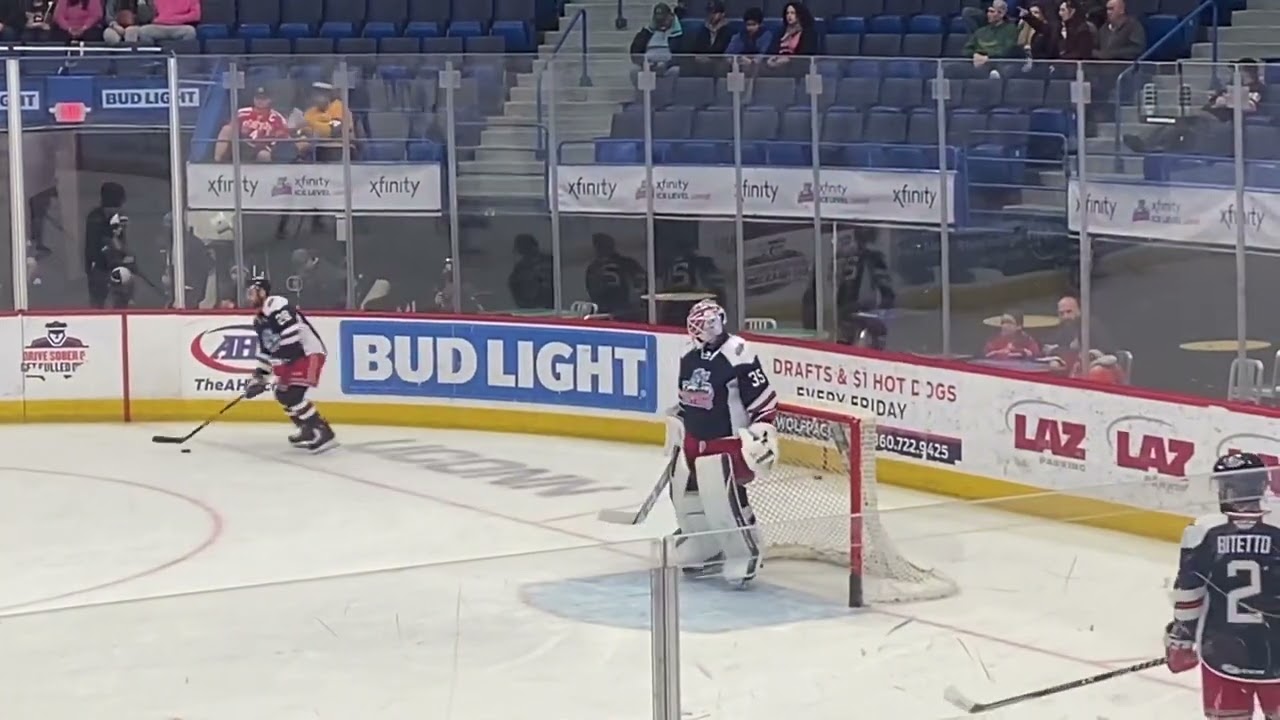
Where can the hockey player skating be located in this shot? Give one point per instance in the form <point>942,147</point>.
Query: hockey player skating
<point>1226,614</point>
<point>724,428</point>
<point>289,347</point>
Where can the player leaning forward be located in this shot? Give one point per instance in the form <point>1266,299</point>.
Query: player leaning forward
<point>724,428</point>
<point>289,347</point>
<point>1227,597</point>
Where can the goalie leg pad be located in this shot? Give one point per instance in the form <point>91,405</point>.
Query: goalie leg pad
<point>695,549</point>
<point>728,514</point>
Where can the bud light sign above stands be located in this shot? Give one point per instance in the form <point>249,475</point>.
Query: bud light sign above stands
<point>900,196</point>
<point>608,370</point>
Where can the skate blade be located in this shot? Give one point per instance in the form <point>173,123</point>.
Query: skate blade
<point>324,448</point>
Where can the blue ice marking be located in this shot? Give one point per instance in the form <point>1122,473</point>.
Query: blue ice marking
<point>706,606</point>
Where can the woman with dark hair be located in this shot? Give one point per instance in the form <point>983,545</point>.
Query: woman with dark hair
<point>1072,38</point>
<point>799,38</point>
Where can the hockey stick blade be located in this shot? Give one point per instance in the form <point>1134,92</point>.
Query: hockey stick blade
<point>178,440</point>
<point>957,698</point>
<point>171,439</point>
<point>622,517</point>
<point>618,517</point>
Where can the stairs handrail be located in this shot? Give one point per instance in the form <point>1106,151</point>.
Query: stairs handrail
<point>585,80</point>
<point>1193,16</point>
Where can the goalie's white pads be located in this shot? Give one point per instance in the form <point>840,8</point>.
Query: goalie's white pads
<point>759,447</point>
<point>675,429</point>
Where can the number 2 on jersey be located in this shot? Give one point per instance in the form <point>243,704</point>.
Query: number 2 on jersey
<point>1236,613</point>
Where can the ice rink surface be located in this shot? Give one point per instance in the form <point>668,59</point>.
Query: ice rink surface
<point>251,580</point>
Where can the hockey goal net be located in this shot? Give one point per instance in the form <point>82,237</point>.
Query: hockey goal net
<point>819,503</point>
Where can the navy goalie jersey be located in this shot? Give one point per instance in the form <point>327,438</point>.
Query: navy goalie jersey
<point>284,334</point>
<point>1229,581</point>
<point>723,388</point>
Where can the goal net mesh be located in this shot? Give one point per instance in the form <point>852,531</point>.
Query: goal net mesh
<point>805,506</point>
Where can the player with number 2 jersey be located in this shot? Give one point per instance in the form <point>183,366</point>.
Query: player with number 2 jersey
<point>1227,597</point>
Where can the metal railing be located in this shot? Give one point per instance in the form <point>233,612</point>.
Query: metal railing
<point>547,65</point>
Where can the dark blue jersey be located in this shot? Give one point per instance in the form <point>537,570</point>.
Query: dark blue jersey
<point>723,388</point>
<point>284,334</point>
<point>1229,582</point>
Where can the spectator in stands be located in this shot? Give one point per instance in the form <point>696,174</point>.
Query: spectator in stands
<point>321,284</point>
<point>159,21</point>
<point>1012,342</point>
<point>259,128</point>
<point>864,290</point>
<point>1036,45</point>
<point>1121,40</point>
<point>12,18</point>
<point>658,45</point>
<point>320,125</point>
<point>996,39</point>
<point>799,39</point>
<point>122,21</point>
<point>79,20</point>
<point>37,21</point>
<point>532,279</point>
<point>1075,34</point>
<point>1197,130</point>
<point>614,281</point>
<point>754,42</point>
<point>707,44</point>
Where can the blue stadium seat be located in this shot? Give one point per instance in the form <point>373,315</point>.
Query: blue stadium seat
<point>270,46</point>
<point>465,28</point>
<point>906,8</point>
<point>882,45</point>
<point>887,25</point>
<point>858,93</point>
<point>1024,94</point>
<point>693,92</point>
<point>775,92</point>
<point>434,12</point>
<point>313,46</point>
<point>399,46</point>
<point>848,25</point>
<point>863,67</point>
<point>844,45</point>
<point>919,45</point>
<point>958,26</point>
<point>922,127</point>
<point>926,25</point>
<point>387,12</point>
<point>901,93</point>
<point>442,45</point>
<point>425,151</point>
<point>472,11</point>
<point>513,20</point>
<point>964,127</point>
<point>422,29</point>
<point>908,68</point>
<point>299,18</point>
<point>953,46</point>
<point>379,29</point>
<point>981,94</point>
<point>342,18</point>
<point>863,8</point>
<point>226,46</point>
<point>217,17</point>
<point>941,8</point>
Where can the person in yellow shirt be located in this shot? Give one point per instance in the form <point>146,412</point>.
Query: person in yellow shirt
<point>321,126</point>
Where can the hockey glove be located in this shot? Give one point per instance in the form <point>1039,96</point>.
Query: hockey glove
<point>1180,647</point>
<point>256,386</point>
<point>759,447</point>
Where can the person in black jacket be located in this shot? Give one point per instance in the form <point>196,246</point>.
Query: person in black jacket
<point>104,241</point>
<point>615,282</point>
<point>531,281</point>
<point>658,45</point>
<point>707,44</point>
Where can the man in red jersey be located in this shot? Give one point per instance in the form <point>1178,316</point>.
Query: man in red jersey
<point>259,127</point>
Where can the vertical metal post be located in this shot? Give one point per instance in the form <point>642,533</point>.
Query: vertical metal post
<point>646,81</point>
<point>664,603</point>
<point>553,181</point>
<point>177,192</point>
<point>451,80</point>
<point>1241,215</point>
<point>17,183</point>
<point>342,82</point>
<point>813,86</point>
<point>234,81</point>
<point>942,94</point>
<point>1081,95</point>
<point>737,84</point>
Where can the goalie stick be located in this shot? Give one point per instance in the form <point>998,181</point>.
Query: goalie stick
<point>179,439</point>
<point>623,517</point>
<point>957,698</point>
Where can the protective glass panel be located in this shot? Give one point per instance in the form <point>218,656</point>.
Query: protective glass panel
<point>97,179</point>
<point>550,634</point>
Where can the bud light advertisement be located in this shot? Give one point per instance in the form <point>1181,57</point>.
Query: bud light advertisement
<point>609,370</point>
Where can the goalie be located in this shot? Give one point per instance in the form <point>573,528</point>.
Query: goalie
<point>724,428</point>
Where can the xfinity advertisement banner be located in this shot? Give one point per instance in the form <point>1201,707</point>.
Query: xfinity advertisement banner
<point>1177,213</point>
<point>902,196</point>
<point>375,187</point>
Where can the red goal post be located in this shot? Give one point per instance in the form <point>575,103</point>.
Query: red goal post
<point>820,503</point>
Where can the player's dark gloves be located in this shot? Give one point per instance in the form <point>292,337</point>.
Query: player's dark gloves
<point>1180,647</point>
<point>256,386</point>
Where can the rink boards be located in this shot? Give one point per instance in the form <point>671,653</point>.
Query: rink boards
<point>1124,458</point>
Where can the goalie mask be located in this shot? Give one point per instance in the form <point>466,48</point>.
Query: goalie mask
<point>706,323</point>
<point>1241,480</point>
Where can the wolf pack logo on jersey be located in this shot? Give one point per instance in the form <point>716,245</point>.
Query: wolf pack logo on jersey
<point>697,391</point>
<point>230,352</point>
<point>57,353</point>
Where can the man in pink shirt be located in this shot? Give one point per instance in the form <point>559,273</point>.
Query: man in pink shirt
<point>173,20</point>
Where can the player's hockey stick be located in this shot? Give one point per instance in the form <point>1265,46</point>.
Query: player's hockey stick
<point>179,439</point>
<point>623,517</point>
<point>955,697</point>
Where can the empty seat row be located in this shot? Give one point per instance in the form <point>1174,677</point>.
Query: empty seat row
<point>406,46</point>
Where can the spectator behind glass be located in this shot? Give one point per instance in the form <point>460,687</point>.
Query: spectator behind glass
<point>1012,342</point>
<point>657,45</point>
<point>531,281</point>
<point>1074,34</point>
<point>321,124</point>
<point>259,128</point>
<point>754,43</point>
<point>1120,37</point>
<point>159,21</point>
<point>614,281</point>
<point>708,44</point>
<point>122,17</point>
<point>1036,44</point>
<point>12,18</point>
<point>37,22</point>
<point>79,20</point>
<point>799,38</point>
<point>997,39</point>
<point>1199,130</point>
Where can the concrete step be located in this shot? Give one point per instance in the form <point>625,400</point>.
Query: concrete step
<point>502,186</point>
<point>1260,5</point>
<point>1261,34</point>
<point>500,154</point>
<point>595,49</point>
<point>499,167</point>
<point>1253,17</point>
<point>563,110</point>
<point>1051,179</point>
<point>1127,165</point>
<point>1045,197</point>
<point>1236,50</point>
<point>523,138</point>
<point>571,94</point>
<point>577,154</point>
<point>611,39</point>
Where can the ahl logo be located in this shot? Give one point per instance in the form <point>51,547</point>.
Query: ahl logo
<point>1147,445</point>
<point>1034,431</point>
<point>231,349</point>
<point>57,353</point>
